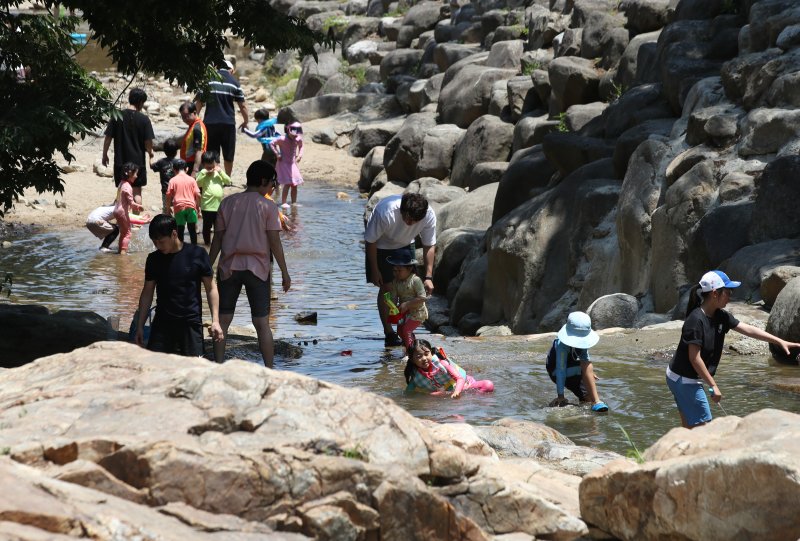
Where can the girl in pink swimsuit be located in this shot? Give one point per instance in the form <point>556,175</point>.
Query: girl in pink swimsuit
<point>124,204</point>
<point>289,150</point>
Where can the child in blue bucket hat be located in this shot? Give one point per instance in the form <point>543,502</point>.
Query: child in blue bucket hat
<point>568,363</point>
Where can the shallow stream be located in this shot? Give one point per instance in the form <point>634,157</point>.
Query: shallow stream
<point>325,257</point>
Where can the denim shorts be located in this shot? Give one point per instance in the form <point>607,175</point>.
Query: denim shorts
<point>691,400</point>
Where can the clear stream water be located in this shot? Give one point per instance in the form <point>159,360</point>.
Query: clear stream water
<point>325,259</point>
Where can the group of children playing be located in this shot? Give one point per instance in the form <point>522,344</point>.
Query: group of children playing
<point>191,199</point>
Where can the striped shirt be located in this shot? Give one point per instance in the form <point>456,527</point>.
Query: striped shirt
<point>220,97</point>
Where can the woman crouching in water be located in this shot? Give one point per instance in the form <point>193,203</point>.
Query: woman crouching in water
<point>700,348</point>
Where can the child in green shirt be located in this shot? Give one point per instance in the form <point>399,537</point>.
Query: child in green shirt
<point>211,179</point>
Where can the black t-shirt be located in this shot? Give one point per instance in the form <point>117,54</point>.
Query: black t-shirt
<point>178,277</point>
<point>165,170</point>
<point>706,332</point>
<point>129,133</point>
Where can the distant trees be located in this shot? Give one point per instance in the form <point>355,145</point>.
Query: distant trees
<point>53,101</point>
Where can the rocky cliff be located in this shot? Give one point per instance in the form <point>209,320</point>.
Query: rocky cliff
<point>599,147</point>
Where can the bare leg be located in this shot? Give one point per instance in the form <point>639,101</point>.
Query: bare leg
<point>137,195</point>
<point>228,167</point>
<point>284,193</point>
<point>264,339</point>
<point>587,374</point>
<point>294,195</point>
<point>219,347</point>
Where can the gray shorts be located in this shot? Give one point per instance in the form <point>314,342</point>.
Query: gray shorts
<point>100,229</point>
<point>257,293</point>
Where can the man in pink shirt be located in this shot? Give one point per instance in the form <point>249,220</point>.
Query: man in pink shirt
<point>183,200</point>
<point>246,233</point>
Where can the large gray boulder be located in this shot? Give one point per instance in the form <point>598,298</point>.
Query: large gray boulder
<point>522,97</point>
<point>403,151</point>
<point>533,251</point>
<point>436,158</point>
<point>400,62</point>
<point>369,135</point>
<point>573,80</point>
<point>775,280</point>
<point>474,210</point>
<point>528,174</point>
<point>486,173</point>
<point>752,263</point>
<point>436,192</point>
<point>765,131</point>
<point>629,141</point>
<point>646,15</point>
<point>488,139</point>
<point>466,96</point>
<point>446,54</point>
<point>604,37</point>
<point>424,92</point>
<point>357,29</point>
<point>314,74</point>
<point>614,310</point>
<point>628,69</point>
<point>689,51</point>
<point>645,102</point>
<point>28,332</point>
<point>506,55</point>
<point>370,168</point>
<point>424,16</point>
<point>768,19</point>
<point>530,131</point>
<point>570,151</point>
<point>468,297</point>
<point>452,247</point>
<point>748,77</point>
<point>712,464</point>
<point>775,213</point>
<point>784,320</point>
<point>366,106</point>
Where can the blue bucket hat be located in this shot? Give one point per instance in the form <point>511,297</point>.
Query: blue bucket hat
<point>578,333</point>
<point>402,257</point>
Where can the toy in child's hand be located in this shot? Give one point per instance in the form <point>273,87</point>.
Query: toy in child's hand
<point>139,219</point>
<point>394,312</point>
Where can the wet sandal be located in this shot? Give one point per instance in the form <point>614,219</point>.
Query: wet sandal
<point>600,407</point>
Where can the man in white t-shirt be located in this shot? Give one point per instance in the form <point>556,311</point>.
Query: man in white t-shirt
<point>394,224</point>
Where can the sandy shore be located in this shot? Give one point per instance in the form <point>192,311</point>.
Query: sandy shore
<point>85,190</point>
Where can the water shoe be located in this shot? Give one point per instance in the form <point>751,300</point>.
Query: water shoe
<point>392,340</point>
<point>600,407</point>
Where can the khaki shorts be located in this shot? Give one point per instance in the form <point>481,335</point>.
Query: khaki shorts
<point>100,229</point>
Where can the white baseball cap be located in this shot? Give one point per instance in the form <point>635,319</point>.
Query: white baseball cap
<point>716,279</point>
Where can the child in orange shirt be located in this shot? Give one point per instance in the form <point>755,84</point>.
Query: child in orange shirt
<point>183,199</point>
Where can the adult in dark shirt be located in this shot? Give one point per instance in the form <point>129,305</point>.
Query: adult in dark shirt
<point>132,134</point>
<point>174,272</point>
<point>220,118</point>
<point>700,348</point>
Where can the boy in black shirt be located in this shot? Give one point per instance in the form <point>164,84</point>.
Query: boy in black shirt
<point>164,169</point>
<point>174,271</point>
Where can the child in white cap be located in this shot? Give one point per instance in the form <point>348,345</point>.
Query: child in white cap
<point>568,363</point>
<point>700,347</point>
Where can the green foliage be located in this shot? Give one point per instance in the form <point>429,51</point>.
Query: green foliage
<point>334,23</point>
<point>60,103</point>
<point>400,11</point>
<point>617,91</point>
<point>357,73</point>
<point>633,452</point>
<point>562,123</point>
<point>355,453</point>
<point>5,451</point>
<point>528,69</point>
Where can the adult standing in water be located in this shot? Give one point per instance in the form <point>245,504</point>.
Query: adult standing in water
<point>394,224</point>
<point>700,348</point>
<point>132,134</point>
<point>220,118</point>
<point>245,234</point>
<point>195,140</point>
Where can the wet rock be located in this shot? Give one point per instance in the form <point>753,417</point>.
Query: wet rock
<point>774,282</point>
<point>306,318</point>
<point>724,453</point>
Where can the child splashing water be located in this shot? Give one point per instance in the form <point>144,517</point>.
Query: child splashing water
<point>432,371</point>
<point>408,288</point>
<point>124,204</point>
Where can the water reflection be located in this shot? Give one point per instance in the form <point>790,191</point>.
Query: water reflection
<point>325,259</point>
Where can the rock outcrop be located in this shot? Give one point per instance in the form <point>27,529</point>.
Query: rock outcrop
<point>237,451</point>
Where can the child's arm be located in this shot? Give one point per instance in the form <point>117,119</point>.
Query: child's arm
<point>226,180</point>
<point>276,148</point>
<point>299,151</point>
<point>456,375</point>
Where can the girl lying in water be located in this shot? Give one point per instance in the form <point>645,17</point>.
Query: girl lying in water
<point>430,370</point>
